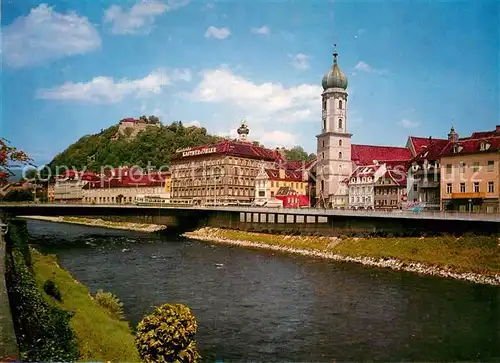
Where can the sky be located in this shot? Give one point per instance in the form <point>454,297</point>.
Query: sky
<point>74,67</point>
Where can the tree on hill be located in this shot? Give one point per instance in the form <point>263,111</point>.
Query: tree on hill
<point>156,145</point>
<point>297,153</point>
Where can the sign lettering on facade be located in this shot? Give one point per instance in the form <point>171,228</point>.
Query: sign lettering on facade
<point>208,150</point>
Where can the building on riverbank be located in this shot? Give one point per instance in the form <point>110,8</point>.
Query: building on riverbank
<point>126,187</point>
<point>337,157</point>
<point>470,173</point>
<point>224,172</point>
<point>68,186</point>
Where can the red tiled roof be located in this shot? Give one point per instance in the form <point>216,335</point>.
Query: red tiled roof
<point>73,174</point>
<point>130,181</point>
<point>484,134</point>
<point>232,148</point>
<point>365,170</point>
<point>290,175</point>
<point>432,151</point>
<point>421,143</point>
<point>472,146</point>
<point>366,154</point>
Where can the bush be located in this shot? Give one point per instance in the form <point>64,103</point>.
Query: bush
<point>42,330</point>
<point>51,289</point>
<point>167,335</point>
<point>111,303</point>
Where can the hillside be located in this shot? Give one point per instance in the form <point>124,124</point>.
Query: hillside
<point>156,145</point>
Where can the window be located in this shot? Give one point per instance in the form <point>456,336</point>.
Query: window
<point>475,166</point>
<point>415,187</point>
<point>272,194</point>
<point>322,155</point>
<point>352,199</point>
<point>476,187</point>
<point>490,209</point>
<point>323,143</point>
<point>462,167</point>
<point>324,104</point>
<point>369,199</point>
<point>448,188</point>
<point>340,123</point>
<point>322,185</point>
<point>448,168</point>
<point>462,187</point>
<point>491,165</point>
<point>324,124</point>
<point>340,142</point>
<point>340,104</point>
<point>340,154</point>
<point>491,187</point>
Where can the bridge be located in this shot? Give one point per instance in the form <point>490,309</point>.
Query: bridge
<point>303,220</point>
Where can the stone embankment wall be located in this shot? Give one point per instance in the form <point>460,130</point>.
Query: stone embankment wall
<point>8,341</point>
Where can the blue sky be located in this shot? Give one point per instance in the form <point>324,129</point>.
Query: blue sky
<point>72,67</point>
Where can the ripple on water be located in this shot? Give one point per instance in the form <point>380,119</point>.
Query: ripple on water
<point>262,306</point>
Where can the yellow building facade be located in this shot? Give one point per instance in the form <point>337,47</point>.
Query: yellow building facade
<point>470,176</point>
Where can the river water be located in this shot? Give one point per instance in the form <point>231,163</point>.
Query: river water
<point>262,306</point>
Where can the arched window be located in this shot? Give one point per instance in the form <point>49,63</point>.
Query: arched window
<point>323,143</point>
<point>322,185</point>
<point>340,169</point>
<point>340,154</point>
<point>340,104</point>
<point>324,104</point>
<point>340,142</point>
<point>340,123</point>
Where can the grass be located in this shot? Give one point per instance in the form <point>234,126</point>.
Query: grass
<point>478,254</point>
<point>100,337</point>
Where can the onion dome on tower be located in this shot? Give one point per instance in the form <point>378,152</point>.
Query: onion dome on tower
<point>243,131</point>
<point>334,78</point>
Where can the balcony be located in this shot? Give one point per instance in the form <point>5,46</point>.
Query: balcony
<point>468,195</point>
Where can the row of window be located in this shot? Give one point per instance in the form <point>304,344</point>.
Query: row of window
<point>212,181</point>
<point>340,124</point>
<point>211,191</point>
<point>386,191</point>
<point>323,143</point>
<point>385,202</point>
<point>367,179</point>
<point>108,199</point>
<point>324,104</point>
<point>361,199</point>
<point>202,172</point>
<point>362,189</point>
<point>475,187</point>
<point>476,166</point>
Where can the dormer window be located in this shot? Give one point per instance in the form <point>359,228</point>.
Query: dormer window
<point>482,146</point>
<point>353,180</point>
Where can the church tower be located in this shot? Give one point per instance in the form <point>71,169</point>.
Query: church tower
<point>334,141</point>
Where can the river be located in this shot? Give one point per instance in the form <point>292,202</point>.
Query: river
<point>261,306</point>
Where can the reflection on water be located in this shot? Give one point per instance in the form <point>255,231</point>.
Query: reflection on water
<point>257,305</point>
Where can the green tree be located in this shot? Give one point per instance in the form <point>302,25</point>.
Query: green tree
<point>297,153</point>
<point>167,335</point>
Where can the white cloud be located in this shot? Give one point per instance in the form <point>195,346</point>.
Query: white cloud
<point>192,123</point>
<point>218,33</point>
<point>106,90</point>
<point>140,18</point>
<point>299,61</point>
<point>408,124</point>
<point>266,102</point>
<point>365,67</point>
<point>46,35</point>
<point>263,30</point>
<point>278,138</point>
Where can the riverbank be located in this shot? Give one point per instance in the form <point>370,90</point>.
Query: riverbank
<point>99,336</point>
<point>473,259</point>
<point>98,222</point>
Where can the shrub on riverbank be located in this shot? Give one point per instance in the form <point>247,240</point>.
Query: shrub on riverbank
<point>111,303</point>
<point>51,289</point>
<point>43,330</point>
<point>167,335</point>
<point>99,336</point>
<point>479,254</point>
